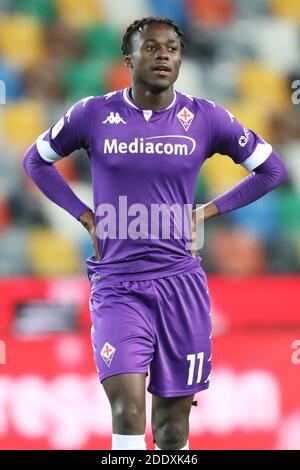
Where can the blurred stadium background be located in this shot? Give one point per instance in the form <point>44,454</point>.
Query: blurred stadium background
<point>244,55</point>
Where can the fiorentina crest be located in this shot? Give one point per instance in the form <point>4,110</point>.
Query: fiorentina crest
<point>107,353</point>
<point>185,117</point>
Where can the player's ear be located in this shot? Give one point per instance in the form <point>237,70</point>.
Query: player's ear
<point>128,61</point>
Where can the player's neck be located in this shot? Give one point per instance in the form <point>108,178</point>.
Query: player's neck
<point>148,99</point>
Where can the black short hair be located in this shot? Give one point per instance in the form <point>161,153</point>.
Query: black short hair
<point>138,25</point>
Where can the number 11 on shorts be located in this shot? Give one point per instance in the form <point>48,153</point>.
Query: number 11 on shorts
<point>192,359</point>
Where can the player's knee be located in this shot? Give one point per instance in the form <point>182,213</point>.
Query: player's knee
<point>128,418</point>
<point>170,436</point>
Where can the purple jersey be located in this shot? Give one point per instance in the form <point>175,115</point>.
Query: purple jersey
<point>144,163</point>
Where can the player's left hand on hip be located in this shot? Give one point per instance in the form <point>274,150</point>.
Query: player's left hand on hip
<point>88,221</point>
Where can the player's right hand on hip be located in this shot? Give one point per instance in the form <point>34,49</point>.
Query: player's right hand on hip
<point>87,219</point>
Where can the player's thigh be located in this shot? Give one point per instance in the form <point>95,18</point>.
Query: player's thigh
<point>124,390</point>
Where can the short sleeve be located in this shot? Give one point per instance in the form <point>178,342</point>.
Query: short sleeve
<point>229,137</point>
<point>70,133</point>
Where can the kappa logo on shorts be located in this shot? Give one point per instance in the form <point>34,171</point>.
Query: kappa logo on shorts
<point>107,353</point>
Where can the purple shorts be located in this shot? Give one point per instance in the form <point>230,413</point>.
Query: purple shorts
<point>161,325</point>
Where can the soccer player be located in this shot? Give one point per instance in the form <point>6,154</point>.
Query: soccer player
<point>150,305</point>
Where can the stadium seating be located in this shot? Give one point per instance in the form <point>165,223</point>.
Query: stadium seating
<point>176,9</point>
<point>252,114</point>
<point>13,82</point>
<point>261,84</point>
<point>117,76</point>
<point>221,173</point>
<point>14,252</point>
<point>253,9</point>
<point>276,43</point>
<point>211,12</point>
<point>261,218</point>
<point>241,54</point>
<point>78,13</point>
<point>5,219</point>
<point>236,252</point>
<point>289,209</point>
<point>51,253</point>
<point>190,79</point>
<point>122,14</point>
<point>289,10</point>
<point>42,10</point>
<point>21,41</point>
<point>23,122</point>
<point>102,41</point>
<point>83,78</point>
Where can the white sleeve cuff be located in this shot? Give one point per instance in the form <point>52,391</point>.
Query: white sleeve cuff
<point>45,150</point>
<point>259,156</point>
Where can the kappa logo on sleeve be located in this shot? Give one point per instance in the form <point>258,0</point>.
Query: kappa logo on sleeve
<point>185,117</point>
<point>107,353</point>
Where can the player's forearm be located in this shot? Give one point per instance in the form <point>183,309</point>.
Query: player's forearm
<point>51,183</point>
<point>210,211</point>
<point>206,212</point>
<point>268,176</point>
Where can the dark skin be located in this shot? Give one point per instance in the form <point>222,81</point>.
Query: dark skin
<point>158,45</point>
<point>155,61</point>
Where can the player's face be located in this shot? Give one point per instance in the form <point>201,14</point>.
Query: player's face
<point>156,56</point>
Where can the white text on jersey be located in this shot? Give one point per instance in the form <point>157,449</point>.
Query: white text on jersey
<point>181,145</point>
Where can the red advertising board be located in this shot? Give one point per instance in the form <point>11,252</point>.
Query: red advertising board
<point>50,397</point>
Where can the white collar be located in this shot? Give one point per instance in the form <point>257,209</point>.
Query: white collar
<point>130,102</point>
